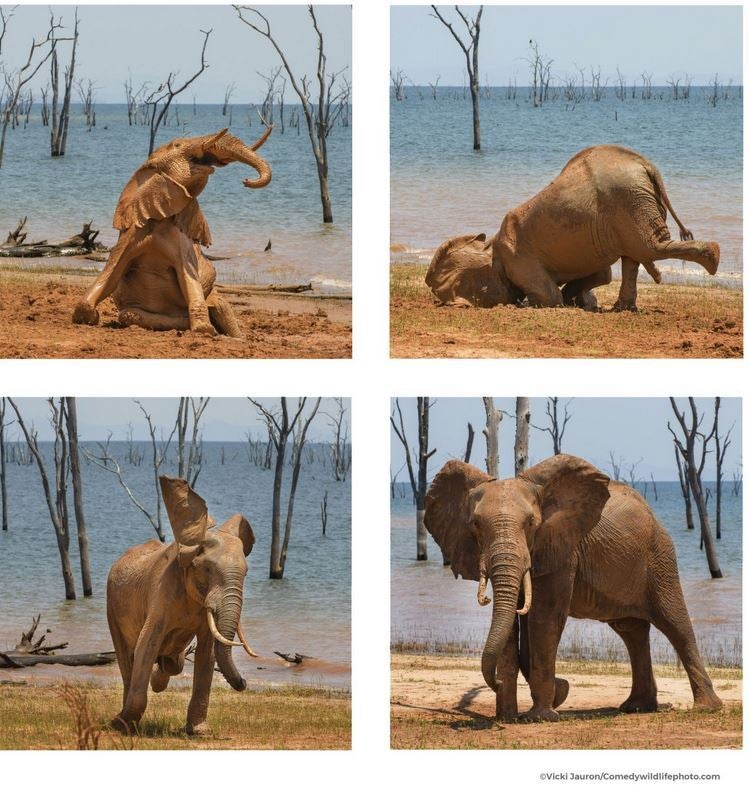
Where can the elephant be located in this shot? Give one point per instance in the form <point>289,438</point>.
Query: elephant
<point>461,275</point>
<point>156,272</point>
<point>562,539</point>
<point>160,597</point>
<point>608,203</point>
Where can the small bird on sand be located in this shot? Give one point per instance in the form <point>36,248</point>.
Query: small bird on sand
<point>267,247</point>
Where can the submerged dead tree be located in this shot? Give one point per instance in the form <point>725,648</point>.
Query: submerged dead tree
<point>3,466</point>
<point>58,138</point>
<point>281,426</point>
<point>721,445</point>
<point>340,448</point>
<point>684,485</point>
<point>320,115</point>
<point>470,49</point>
<point>687,444</point>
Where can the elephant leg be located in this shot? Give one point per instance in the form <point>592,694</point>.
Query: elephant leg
<point>672,619</point>
<point>222,316</point>
<point>129,245</point>
<point>164,669</point>
<point>705,254</point>
<point>652,271</point>
<point>533,279</point>
<point>124,657</point>
<point>197,711</point>
<point>561,686</point>
<point>137,317</point>
<point>628,290</point>
<point>578,292</point>
<point>635,633</point>
<point>507,675</point>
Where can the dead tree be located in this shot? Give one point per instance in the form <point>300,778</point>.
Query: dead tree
<point>616,465</point>
<point>324,513</point>
<point>687,445</point>
<point>721,445</point>
<point>15,80</point>
<point>266,107</point>
<point>470,49</point>
<point>160,99</point>
<point>419,480</point>
<point>557,422</point>
<point>227,97</point>
<point>433,87</point>
<point>469,445</point>
<point>522,427</point>
<point>86,93</point>
<point>540,75</point>
<point>340,450</point>
<point>190,461</point>
<point>621,90</point>
<point>647,85</point>
<point>280,427</point>
<point>59,131</point>
<point>320,117</point>
<point>684,485</point>
<point>491,434</point>
<point>56,501</point>
<point>3,466</point>
<point>398,80</point>
<point>69,410</point>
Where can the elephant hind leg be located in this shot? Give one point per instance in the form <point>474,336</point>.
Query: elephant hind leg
<point>627,300</point>
<point>635,633</point>
<point>222,316</point>
<point>578,292</point>
<point>137,317</point>
<point>706,254</point>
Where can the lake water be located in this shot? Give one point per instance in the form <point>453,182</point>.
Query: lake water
<point>58,195</point>
<point>430,607</point>
<point>309,611</point>
<point>440,187</point>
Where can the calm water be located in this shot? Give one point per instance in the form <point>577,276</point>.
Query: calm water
<point>309,611</point>
<point>431,607</point>
<point>59,194</point>
<point>441,187</point>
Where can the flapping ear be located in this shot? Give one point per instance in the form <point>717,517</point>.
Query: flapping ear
<point>149,195</point>
<point>572,495</point>
<point>448,515</point>
<point>239,526</point>
<point>188,513</point>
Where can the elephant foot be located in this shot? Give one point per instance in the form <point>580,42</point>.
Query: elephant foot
<point>539,715</point>
<point>639,705</point>
<point>122,725</point>
<point>201,729</point>
<point>85,314</point>
<point>561,691</point>
<point>619,305</point>
<point>159,680</point>
<point>204,328</point>
<point>709,701</point>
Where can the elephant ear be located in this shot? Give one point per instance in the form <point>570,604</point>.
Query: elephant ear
<point>149,195</point>
<point>572,495</point>
<point>239,526</point>
<point>448,516</point>
<point>188,512</point>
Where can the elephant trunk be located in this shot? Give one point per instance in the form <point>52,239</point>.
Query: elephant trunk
<point>239,151</point>
<point>227,618</point>
<point>506,573</point>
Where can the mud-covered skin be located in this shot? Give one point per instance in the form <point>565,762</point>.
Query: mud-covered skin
<point>608,203</point>
<point>156,271</point>
<point>159,598</point>
<point>593,549</point>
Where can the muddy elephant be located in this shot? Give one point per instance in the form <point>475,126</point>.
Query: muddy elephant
<point>608,203</point>
<point>160,597</point>
<point>562,540</point>
<point>156,272</point>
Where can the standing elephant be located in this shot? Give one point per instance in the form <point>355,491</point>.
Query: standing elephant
<point>608,203</point>
<point>159,597</point>
<point>156,272</point>
<point>562,540</point>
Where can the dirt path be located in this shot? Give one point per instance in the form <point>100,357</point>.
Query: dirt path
<point>673,321</point>
<point>442,702</point>
<point>36,308</point>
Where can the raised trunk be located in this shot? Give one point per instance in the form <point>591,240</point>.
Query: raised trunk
<point>227,619</point>
<point>245,155</point>
<point>505,589</point>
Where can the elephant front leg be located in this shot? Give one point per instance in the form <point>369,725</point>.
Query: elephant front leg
<point>507,676</point>
<point>197,711</point>
<point>628,290</point>
<point>191,286</point>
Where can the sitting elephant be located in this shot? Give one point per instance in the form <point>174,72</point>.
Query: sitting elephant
<point>461,274</point>
<point>156,272</point>
<point>160,597</point>
<point>607,203</point>
<point>562,540</point>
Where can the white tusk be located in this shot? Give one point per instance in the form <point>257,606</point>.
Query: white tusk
<point>528,592</point>
<point>216,634</point>
<point>481,593</point>
<point>246,645</point>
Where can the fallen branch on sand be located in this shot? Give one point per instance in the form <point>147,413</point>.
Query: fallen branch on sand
<point>82,243</point>
<point>295,658</point>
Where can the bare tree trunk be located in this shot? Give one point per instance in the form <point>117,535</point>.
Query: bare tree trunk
<point>71,419</point>
<point>469,444</point>
<point>424,456</point>
<point>3,467</point>
<point>491,434</point>
<point>522,427</point>
<point>59,136</point>
<point>684,485</point>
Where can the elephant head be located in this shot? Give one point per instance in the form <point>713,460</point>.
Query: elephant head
<point>510,532</point>
<point>213,565</point>
<point>175,174</point>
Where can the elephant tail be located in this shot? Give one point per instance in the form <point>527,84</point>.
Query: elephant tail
<point>662,197</point>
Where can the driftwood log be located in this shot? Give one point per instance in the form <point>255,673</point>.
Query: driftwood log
<point>79,244</point>
<point>295,658</point>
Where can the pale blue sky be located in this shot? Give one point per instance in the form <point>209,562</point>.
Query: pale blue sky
<point>114,39</point>
<point>664,40</point>
<point>634,428</point>
<point>225,419</point>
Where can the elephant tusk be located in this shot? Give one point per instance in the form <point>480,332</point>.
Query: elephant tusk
<point>216,634</point>
<point>261,141</point>
<point>528,592</point>
<point>481,593</point>
<point>246,645</point>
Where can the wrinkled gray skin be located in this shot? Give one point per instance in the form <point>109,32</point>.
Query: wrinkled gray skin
<point>159,597</point>
<point>156,272</point>
<point>562,540</point>
<point>608,203</point>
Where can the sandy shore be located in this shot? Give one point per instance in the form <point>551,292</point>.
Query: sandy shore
<point>36,309</point>
<point>442,702</point>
